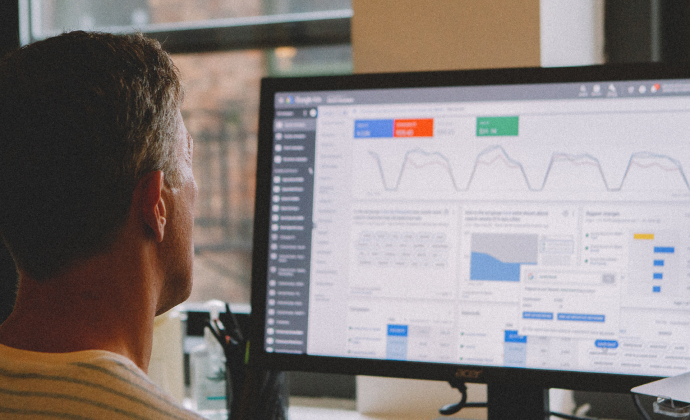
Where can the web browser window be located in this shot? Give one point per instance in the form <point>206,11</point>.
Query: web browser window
<point>540,226</point>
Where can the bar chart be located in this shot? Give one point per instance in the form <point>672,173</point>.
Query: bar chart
<point>653,263</point>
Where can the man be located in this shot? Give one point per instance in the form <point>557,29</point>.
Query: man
<point>96,207</point>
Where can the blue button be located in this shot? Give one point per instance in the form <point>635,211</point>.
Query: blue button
<point>582,317</point>
<point>397,330</point>
<point>606,344</point>
<point>537,315</point>
<point>512,336</point>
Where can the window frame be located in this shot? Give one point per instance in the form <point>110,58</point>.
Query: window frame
<point>321,28</point>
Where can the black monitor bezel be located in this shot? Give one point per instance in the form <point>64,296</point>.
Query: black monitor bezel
<point>603,382</point>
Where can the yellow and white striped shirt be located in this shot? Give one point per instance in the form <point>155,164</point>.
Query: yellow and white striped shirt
<point>84,385</point>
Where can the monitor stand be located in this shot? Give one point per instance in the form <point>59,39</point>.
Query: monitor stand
<point>509,401</point>
<point>513,401</point>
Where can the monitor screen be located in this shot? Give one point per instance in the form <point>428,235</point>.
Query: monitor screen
<point>524,221</point>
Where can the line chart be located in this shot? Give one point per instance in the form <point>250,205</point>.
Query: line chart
<point>497,154</point>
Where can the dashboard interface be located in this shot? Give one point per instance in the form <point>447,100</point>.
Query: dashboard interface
<point>542,226</point>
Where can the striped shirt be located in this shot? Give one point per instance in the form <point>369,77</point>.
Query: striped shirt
<point>84,385</point>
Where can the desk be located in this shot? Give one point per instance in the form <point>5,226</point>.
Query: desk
<point>336,409</point>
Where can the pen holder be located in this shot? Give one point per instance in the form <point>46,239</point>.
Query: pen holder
<point>262,396</point>
<point>251,393</point>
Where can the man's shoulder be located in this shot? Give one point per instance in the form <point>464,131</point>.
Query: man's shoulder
<point>88,384</point>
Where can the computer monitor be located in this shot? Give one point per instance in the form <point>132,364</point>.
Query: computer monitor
<point>517,227</point>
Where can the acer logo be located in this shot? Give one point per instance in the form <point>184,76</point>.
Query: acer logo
<point>468,373</point>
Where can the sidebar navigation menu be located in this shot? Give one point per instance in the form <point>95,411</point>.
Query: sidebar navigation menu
<point>287,293</point>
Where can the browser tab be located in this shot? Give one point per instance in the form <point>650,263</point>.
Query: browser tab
<point>337,99</point>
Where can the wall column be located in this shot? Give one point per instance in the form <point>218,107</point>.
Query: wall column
<point>413,35</point>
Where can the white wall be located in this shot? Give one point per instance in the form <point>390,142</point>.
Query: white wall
<point>572,32</point>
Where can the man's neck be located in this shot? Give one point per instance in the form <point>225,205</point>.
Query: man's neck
<point>106,303</point>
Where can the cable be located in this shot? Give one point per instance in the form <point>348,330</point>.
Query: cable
<point>451,409</point>
<point>640,409</point>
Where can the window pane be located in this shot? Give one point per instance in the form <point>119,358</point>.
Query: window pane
<point>54,16</point>
<point>221,113</point>
<point>291,61</point>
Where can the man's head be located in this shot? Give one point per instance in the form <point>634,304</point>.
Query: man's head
<point>83,118</point>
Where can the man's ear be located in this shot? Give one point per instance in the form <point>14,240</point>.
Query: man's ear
<point>150,191</point>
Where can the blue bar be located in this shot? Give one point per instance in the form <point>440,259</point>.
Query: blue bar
<point>656,289</point>
<point>396,348</point>
<point>582,317</point>
<point>373,128</point>
<point>512,336</point>
<point>397,330</point>
<point>606,344</point>
<point>658,276</point>
<point>537,315</point>
<point>664,250</point>
<point>658,263</point>
<point>515,354</point>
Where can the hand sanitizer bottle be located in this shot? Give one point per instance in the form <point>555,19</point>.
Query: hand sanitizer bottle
<point>207,374</point>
